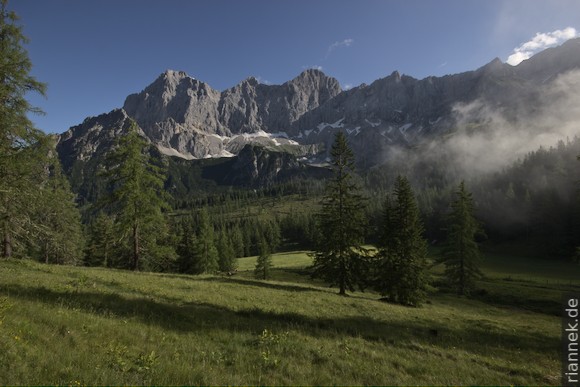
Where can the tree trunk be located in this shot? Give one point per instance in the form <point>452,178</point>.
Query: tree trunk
<point>135,247</point>
<point>7,242</point>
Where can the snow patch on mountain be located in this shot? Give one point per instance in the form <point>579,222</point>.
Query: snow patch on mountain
<point>373,124</point>
<point>172,152</point>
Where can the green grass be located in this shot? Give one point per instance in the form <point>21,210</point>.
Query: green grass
<point>76,326</point>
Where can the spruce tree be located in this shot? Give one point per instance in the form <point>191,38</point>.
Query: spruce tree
<point>264,261</point>
<point>138,199</point>
<point>186,249</point>
<point>339,257</point>
<point>227,259</point>
<point>401,275</point>
<point>237,241</point>
<point>461,253</point>
<point>205,250</point>
<point>22,148</point>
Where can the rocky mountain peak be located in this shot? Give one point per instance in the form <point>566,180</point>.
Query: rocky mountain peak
<point>545,65</point>
<point>253,81</point>
<point>187,118</point>
<point>495,66</point>
<point>316,79</point>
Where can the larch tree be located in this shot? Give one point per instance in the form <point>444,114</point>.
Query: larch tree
<point>22,147</point>
<point>59,237</point>
<point>461,252</point>
<point>339,257</point>
<point>138,199</point>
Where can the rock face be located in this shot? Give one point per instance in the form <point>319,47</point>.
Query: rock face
<point>93,138</point>
<point>185,117</point>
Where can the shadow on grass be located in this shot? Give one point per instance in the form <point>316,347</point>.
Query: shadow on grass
<point>472,337</point>
<point>523,295</point>
<point>262,284</point>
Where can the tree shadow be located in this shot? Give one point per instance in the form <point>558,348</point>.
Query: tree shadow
<point>263,284</point>
<point>196,316</point>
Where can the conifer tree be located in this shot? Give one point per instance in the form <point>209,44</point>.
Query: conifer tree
<point>22,147</point>
<point>186,249</point>
<point>339,257</point>
<point>59,235</point>
<point>227,261</point>
<point>401,262</point>
<point>138,199</point>
<point>205,250</point>
<point>101,244</point>
<point>237,241</point>
<point>461,253</point>
<point>264,261</point>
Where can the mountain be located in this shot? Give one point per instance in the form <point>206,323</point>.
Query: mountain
<point>186,118</point>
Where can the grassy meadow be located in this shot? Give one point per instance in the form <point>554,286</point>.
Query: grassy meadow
<point>85,326</point>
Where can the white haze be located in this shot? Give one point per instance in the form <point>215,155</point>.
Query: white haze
<point>498,142</point>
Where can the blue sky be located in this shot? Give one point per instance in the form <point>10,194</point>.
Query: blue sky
<point>92,54</point>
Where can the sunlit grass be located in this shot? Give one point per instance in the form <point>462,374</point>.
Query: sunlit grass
<point>67,325</point>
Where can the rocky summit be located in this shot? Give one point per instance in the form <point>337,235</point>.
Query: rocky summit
<point>186,118</point>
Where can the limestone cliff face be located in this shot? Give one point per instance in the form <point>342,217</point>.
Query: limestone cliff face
<point>185,117</point>
<point>93,138</point>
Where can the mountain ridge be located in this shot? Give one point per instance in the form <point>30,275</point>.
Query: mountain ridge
<point>187,118</point>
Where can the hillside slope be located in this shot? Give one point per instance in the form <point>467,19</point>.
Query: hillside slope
<point>77,326</point>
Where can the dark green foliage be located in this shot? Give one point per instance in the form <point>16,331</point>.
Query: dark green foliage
<point>299,229</point>
<point>100,249</point>
<point>207,260</point>
<point>401,275</point>
<point>227,259</point>
<point>339,257</point>
<point>186,249</point>
<point>59,238</point>
<point>138,199</point>
<point>264,261</point>
<point>237,239</point>
<point>461,253</point>
<point>23,149</point>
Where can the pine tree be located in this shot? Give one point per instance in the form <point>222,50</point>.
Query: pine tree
<point>339,257</point>
<point>205,250</point>
<point>264,261</point>
<point>22,147</point>
<point>401,268</point>
<point>461,253</point>
<point>138,198</point>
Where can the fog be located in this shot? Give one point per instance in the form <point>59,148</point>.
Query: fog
<point>487,141</point>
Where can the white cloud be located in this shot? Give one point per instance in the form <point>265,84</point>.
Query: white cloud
<point>335,45</point>
<point>263,81</point>
<point>540,42</point>
<point>315,67</point>
<point>348,86</point>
